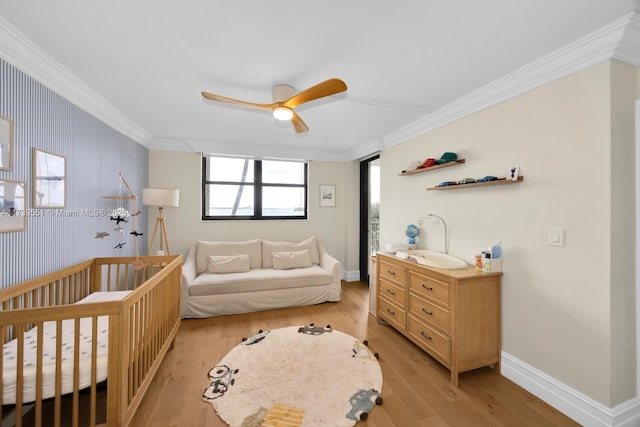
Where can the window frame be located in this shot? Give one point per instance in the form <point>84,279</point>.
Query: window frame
<point>258,185</point>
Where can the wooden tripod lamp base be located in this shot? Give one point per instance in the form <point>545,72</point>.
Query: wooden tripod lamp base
<point>160,197</point>
<point>161,225</point>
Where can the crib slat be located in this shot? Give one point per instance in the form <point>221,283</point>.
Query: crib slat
<point>19,373</point>
<point>39,357</point>
<point>3,340</point>
<point>76,373</point>
<point>57,411</point>
<point>93,412</point>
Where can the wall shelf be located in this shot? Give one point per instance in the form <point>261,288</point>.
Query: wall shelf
<point>499,181</point>
<point>430,168</point>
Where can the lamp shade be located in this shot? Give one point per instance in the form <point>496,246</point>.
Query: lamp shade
<point>164,197</point>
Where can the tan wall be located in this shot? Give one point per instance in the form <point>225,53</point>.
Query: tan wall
<point>558,302</point>
<point>185,227</point>
<point>623,231</point>
<point>352,214</point>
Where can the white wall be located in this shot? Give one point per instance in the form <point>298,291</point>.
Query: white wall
<point>558,302</point>
<point>184,225</point>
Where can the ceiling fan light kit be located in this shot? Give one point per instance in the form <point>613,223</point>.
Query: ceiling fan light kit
<point>282,113</point>
<point>285,100</point>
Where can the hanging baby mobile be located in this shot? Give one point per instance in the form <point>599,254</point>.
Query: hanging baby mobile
<point>121,216</point>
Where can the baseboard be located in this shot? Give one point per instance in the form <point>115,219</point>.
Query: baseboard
<point>570,402</point>
<point>350,276</point>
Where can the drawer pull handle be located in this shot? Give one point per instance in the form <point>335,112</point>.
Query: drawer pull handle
<point>427,287</point>
<point>391,312</point>
<point>391,292</point>
<point>430,313</point>
<point>425,335</point>
<point>393,273</point>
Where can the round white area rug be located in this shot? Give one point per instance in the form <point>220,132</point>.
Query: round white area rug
<point>296,376</point>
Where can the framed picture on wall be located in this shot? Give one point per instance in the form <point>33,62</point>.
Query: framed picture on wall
<point>49,180</point>
<point>13,209</point>
<point>327,195</point>
<point>6,143</point>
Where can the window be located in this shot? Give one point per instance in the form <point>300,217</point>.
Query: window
<point>238,188</point>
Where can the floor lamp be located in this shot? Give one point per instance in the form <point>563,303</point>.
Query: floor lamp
<point>162,198</point>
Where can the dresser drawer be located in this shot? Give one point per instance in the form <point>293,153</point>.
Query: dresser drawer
<point>430,288</point>
<point>393,272</point>
<point>430,313</point>
<point>392,292</point>
<point>433,341</point>
<point>392,314</point>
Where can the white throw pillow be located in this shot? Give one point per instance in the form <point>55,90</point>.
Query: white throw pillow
<point>287,260</point>
<point>229,263</point>
<point>205,249</point>
<point>271,247</point>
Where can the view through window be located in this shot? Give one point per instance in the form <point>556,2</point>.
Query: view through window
<point>243,188</point>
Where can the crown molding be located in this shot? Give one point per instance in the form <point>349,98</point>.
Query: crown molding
<point>617,40</point>
<point>246,150</point>
<point>628,49</point>
<point>24,54</point>
<point>365,149</point>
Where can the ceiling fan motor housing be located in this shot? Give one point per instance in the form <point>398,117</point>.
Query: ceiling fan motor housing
<point>282,92</point>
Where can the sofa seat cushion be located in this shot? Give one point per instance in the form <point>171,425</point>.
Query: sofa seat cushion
<point>258,279</point>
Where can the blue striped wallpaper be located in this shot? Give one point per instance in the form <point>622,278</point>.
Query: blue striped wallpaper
<point>95,154</point>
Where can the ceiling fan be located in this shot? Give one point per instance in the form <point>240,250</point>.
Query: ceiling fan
<point>285,100</point>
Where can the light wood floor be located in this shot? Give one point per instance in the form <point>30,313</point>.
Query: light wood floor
<point>416,389</point>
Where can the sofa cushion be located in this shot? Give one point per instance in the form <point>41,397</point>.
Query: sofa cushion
<point>205,249</point>
<point>228,263</point>
<point>258,279</point>
<point>287,260</point>
<point>269,247</point>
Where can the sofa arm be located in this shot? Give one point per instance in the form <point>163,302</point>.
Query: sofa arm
<point>189,273</point>
<point>329,263</point>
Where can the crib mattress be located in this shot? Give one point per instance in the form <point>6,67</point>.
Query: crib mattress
<point>49,355</point>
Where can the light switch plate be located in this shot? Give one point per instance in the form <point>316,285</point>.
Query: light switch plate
<point>556,236</point>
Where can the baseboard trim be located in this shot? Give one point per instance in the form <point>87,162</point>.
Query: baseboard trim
<point>570,402</point>
<point>350,276</point>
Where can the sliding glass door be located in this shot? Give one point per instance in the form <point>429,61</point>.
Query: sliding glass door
<point>369,213</point>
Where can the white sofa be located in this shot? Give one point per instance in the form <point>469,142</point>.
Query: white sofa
<point>239,277</point>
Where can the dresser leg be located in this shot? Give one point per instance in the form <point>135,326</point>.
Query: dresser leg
<point>454,378</point>
<point>497,367</point>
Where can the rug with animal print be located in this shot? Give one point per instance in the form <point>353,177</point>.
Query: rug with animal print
<point>307,376</point>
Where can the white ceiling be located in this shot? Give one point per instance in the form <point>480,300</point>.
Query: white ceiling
<point>141,65</point>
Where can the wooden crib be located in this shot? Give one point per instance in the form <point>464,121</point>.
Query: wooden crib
<point>74,336</point>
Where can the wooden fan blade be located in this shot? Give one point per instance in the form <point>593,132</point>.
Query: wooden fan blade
<point>219,98</point>
<point>325,88</point>
<point>299,125</point>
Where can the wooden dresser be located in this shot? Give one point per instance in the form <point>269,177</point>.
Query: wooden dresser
<point>454,315</point>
